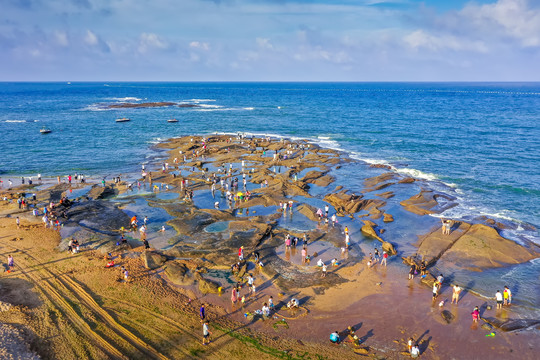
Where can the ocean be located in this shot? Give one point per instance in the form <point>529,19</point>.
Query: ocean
<point>478,142</point>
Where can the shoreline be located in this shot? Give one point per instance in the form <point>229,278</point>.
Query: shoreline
<point>269,240</point>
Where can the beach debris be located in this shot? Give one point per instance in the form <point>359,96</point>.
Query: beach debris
<point>491,334</point>
<point>379,283</point>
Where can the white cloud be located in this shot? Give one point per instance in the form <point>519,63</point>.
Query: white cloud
<point>264,43</point>
<point>320,53</point>
<point>61,38</point>
<point>421,39</point>
<point>90,38</point>
<point>150,41</point>
<point>513,18</point>
<point>199,45</point>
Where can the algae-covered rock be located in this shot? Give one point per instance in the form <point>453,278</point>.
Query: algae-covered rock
<point>207,286</point>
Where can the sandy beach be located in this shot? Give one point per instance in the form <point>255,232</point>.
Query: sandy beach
<point>58,304</point>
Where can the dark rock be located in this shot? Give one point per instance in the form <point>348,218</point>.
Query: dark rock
<point>518,324</point>
<point>97,216</point>
<point>487,327</point>
<point>101,192</point>
<point>447,316</point>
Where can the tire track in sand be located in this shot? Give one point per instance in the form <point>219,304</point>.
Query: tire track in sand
<point>72,316</point>
<point>75,290</point>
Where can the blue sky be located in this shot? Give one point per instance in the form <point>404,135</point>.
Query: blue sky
<point>269,40</point>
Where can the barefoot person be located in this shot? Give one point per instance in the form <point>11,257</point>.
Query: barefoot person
<point>475,314</point>
<point>507,295</point>
<point>499,298</point>
<point>456,290</point>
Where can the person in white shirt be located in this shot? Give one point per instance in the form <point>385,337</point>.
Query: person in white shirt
<point>266,310</point>
<point>499,298</point>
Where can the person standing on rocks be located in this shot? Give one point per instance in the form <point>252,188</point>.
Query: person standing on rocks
<point>435,289</point>
<point>241,253</point>
<point>507,294</point>
<point>412,271</point>
<point>499,298</point>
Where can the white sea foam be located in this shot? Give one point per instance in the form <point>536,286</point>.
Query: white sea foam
<point>214,109</point>
<point>249,108</point>
<point>127,98</point>
<point>418,174</point>
<point>209,106</point>
<point>18,121</point>
<point>95,107</point>
<point>198,100</point>
<point>155,140</point>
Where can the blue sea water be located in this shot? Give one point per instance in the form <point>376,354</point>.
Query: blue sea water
<point>478,142</point>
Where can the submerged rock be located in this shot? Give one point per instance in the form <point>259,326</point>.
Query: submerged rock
<point>512,324</point>
<point>447,316</point>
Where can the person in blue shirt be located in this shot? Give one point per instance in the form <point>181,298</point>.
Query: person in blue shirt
<point>334,337</point>
<point>202,313</point>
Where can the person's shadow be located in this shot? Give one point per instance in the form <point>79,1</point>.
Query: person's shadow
<point>367,336</point>
<point>424,344</point>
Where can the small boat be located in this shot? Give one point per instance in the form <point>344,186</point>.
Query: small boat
<point>123,120</point>
<point>44,130</point>
<point>172,120</point>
